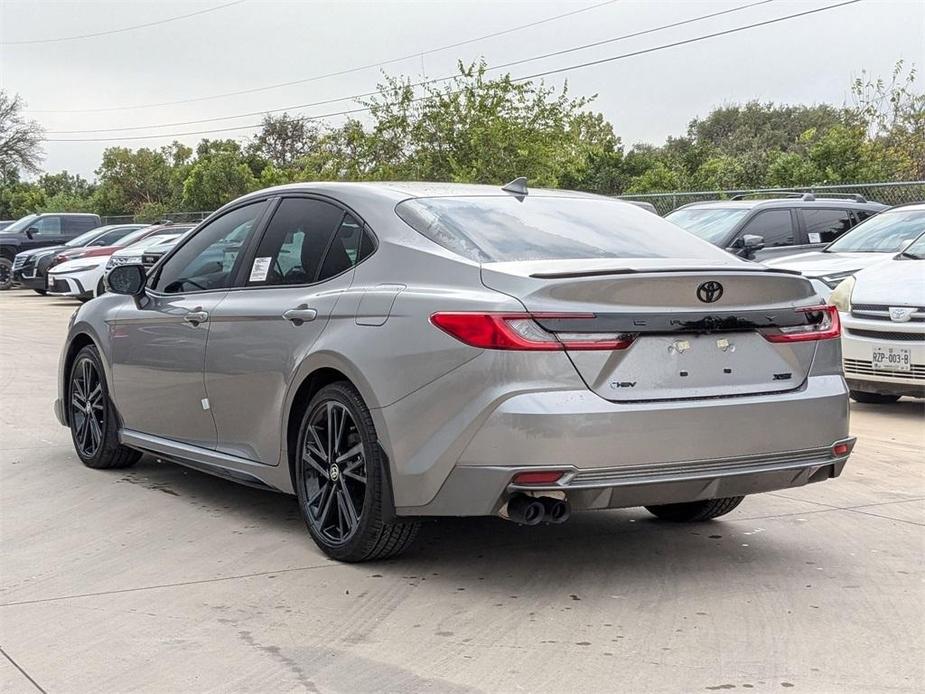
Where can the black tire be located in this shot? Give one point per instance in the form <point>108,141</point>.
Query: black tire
<point>6,273</point>
<point>872,398</point>
<point>345,519</point>
<point>92,416</point>
<point>41,292</point>
<point>695,511</point>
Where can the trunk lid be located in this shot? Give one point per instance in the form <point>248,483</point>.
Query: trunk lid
<point>685,347</point>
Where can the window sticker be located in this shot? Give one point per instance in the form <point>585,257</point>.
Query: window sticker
<point>815,237</point>
<point>260,269</point>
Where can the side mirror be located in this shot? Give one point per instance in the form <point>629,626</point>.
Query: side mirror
<point>127,279</point>
<point>752,242</point>
<point>31,231</point>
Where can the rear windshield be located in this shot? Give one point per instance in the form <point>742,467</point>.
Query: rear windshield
<point>888,232</point>
<point>711,224</point>
<point>500,229</point>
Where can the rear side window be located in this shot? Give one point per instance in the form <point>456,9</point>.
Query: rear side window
<point>774,226</point>
<point>497,229</point>
<point>823,226</point>
<point>110,237</point>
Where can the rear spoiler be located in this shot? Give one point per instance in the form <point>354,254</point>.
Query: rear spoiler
<point>632,271</point>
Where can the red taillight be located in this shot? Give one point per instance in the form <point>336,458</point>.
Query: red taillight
<point>519,331</point>
<point>538,477</point>
<point>827,328</point>
<point>840,449</point>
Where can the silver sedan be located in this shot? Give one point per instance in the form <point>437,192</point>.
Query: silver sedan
<point>388,352</point>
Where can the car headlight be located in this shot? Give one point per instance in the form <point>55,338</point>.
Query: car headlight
<point>79,268</point>
<point>835,279</point>
<point>841,297</point>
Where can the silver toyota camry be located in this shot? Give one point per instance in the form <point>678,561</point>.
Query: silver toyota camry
<point>388,352</point>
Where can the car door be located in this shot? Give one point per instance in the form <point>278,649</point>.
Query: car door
<point>823,225</point>
<point>264,329</point>
<point>779,230</point>
<point>159,341</point>
<point>47,230</point>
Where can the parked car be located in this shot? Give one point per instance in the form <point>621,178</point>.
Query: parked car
<point>37,231</point>
<point>4,223</point>
<point>865,245</point>
<point>30,267</point>
<point>761,229</point>
<point>79,272</point>
<point>136,253</point>
<point>388,352</point>
<point>883,311</point>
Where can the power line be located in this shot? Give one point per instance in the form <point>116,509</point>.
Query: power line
<point>524,78</point>
<point>123,29</point>
<point>345,71</point>
<point>437,80</point>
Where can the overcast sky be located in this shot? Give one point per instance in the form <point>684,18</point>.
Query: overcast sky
<point>254,43</point>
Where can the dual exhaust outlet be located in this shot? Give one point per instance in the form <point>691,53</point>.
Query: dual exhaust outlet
<point>531,510</point>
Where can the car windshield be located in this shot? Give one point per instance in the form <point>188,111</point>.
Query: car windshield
<point>21,224</point>
<point>84,238</point>
<point>497,229</point>
<point>711,224</point>
<point>154,240</point>
<point>885,233</point>
<point>129,239</point>
<point>916,249</point>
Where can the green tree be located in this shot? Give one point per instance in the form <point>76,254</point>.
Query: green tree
<point>20,140</point>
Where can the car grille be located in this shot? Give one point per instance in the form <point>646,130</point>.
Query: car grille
<point>19,261</point>
<point>883,335</point>
<point>59,286</point>
<point>866,368</point>
<point>882,312</point>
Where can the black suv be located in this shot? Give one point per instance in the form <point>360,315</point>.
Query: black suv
<point>37,231</point>
<point>762,229</point>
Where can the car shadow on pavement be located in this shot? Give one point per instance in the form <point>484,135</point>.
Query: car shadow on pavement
<point>492,555</point>
<point>906,408</point>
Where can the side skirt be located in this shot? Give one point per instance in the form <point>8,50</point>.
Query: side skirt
<point>221,465</point>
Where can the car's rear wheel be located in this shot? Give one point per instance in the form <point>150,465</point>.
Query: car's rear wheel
<point>340,479</point>
<point>695,511</point>
<point>92,416</point>
<point>872,398</point>
<point>6,273</point>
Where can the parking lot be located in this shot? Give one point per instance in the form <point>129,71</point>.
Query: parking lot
<point>163,579</point>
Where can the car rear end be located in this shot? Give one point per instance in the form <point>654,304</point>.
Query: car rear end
<point>628,379</point>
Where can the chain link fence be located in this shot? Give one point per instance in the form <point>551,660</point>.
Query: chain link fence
<point>178,217</point>
<point>887,193</point>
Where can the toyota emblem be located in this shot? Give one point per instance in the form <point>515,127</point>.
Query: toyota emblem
<point>709,292</point>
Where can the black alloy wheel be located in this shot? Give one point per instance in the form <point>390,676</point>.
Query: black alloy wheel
<point>342,481</point>
<point>335,472</point>
<point>88,408</point>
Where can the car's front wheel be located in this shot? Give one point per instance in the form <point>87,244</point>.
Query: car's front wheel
<point>872,398</point>
<point>40,292</point>
<point>92,416</point>
<point>695,511</point>
<point>6,273</point>
<point>340,479</point>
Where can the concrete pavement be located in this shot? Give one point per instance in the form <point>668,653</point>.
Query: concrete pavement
<point>162,579</point>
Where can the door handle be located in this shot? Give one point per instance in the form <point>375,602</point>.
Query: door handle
<point>300,315</point>
<point>196,317</point>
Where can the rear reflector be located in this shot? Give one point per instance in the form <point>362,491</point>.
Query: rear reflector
<point>841,449</point>
<point>538,477</point>
<point>822,324</point>
<point>519,331</point>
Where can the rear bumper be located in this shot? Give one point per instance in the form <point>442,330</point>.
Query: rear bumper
<point>477,490</point>
<point>632,454</point>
